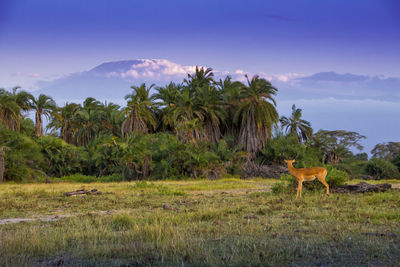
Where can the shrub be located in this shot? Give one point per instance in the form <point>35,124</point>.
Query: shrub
<point>163,156</point>
<point>396,161</point>
<point>23,160</point>
<point>336,177</point>
<point>382,169</point>
<point>288,147</point>
<point>62,158</point>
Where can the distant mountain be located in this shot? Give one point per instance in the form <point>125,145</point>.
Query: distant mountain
<point>342,86</point>
<point>112,80</point>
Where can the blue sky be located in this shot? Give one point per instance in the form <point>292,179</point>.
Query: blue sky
<point>47,37</point>
<point>42,40</point>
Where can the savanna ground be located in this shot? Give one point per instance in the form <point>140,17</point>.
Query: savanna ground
<point>224,222</point>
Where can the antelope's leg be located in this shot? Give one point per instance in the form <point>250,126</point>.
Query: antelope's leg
<point>298,190</point>
<point>326,185</point>
<point>322,180</point>
<point>301,188</point>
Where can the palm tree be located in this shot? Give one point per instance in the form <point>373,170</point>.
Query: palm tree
<point>9,110</point>
<point>12,104</point>
<point>43,105</point>
<point>210,105</point>
<point>23,100</point>
<point>185,116</point>
<point>139,112</point>
<point>168,98</point>
<point>63,119</point>
<point>111,118</point>
<point>296,125</point>
<point>230,94</point>
<point>256,114</point>
<point>201,77</point>
<point>88,126</point>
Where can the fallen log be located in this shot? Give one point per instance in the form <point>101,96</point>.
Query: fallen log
<point>362,187</point>
<point>83,191</point>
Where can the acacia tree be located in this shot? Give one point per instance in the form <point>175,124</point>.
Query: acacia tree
<point>256,114</point>
<point>43,105</point>
<point>336,144</point>
<point>386,150</point>
<point>296,125</point>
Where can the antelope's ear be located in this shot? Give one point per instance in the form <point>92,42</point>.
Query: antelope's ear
<point>294,160</point>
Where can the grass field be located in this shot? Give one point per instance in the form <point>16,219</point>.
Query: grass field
<point>224,222</point>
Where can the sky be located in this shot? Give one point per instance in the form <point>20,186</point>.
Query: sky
<point>48,38</point>
<point>44,40</point>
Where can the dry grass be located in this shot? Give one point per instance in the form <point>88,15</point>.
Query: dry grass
<point>224,222</point>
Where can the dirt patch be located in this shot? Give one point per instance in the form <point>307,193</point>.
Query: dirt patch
<point>43,219</point>
<point>52,218</point>
<point>232,191</point>
<point>396,186</point>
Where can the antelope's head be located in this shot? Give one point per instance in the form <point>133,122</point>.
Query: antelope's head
<point>290,161</point>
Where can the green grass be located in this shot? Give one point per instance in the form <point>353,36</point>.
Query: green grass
<point>224,222</point>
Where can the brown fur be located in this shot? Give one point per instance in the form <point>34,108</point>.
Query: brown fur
<point>307,174</point>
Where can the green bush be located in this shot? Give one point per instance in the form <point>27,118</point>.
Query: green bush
<point>396,161</point>
<point>62,159</point>
<point>382,169</point>
<point>23,160</point>
<point>356,169</point>
<point>336,177</point>
<point>283,147</point>
<point>105,156</point>
<point>163,156</point>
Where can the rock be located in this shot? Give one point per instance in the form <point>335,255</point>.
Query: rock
<point>362,187</point>
<point>250,216</point>
<point>83,192</point>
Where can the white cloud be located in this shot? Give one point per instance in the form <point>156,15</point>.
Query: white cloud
<point>165,69</point>
<point>157,68</point>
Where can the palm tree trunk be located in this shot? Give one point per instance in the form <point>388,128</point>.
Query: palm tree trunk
<point>39,124</point>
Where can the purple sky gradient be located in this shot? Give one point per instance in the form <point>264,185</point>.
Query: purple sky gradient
<point>50,37</point>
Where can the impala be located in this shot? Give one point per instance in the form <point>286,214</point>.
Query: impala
<point>307,174</point>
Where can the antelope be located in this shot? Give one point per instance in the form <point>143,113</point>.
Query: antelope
<point>307,174</point>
